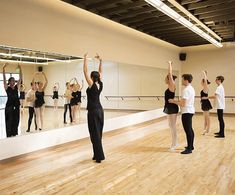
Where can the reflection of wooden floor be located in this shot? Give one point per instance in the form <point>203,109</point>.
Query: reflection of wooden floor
<point>137,162</point>
<point>53,119</point>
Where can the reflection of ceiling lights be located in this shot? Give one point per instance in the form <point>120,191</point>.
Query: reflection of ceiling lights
<point>23,62</point>
<point>177,17</point>
<point>32,57</point>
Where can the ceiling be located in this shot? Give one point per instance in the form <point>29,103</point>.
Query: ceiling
<point>218,15</point>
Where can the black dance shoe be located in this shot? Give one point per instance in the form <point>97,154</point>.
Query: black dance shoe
<point>217,133</point>
<point>28,130</point>
<point>187,151</point>
<point>98,161</point>
<point>93,158</point>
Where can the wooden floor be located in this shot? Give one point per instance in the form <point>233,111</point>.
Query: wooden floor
<point>137,162</point>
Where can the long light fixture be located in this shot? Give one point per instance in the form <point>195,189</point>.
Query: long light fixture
<point>23,62</point>
<point>31,57</point>
<point>192,17</point>
<point>177,17</point>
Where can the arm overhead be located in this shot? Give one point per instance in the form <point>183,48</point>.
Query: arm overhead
<point>4,76</point>
<point>85,71</point>
<point>170,77</point>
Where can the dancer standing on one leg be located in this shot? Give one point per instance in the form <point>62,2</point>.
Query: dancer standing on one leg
<point>205,103</point>
<point>30,98</point>
<point>39,101</point>
<point>187,109</point>
<point>95,111</point>
<point>55,96</point>
<point>12,108</point>
<point>171,109</point>
<point>220,105</point>
<point>67,98</point>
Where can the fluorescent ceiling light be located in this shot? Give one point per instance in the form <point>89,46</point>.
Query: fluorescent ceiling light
<point>167,10</point>
<point>31,57</point>
<point>185,22</point>
<point>174,15</point>
<point>197,30</point>
<point>154,3</point>
<point>192,17</point>
<point>23,62</point>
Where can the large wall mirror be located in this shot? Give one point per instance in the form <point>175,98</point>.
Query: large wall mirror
<point>128,88</point>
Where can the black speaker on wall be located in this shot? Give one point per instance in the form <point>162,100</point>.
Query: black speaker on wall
<point>182,56</point>
<point>40,69</point>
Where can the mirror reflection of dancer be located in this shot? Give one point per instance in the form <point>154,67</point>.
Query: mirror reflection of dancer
<point>55,96</point>
<point>75,101</point>
<point>67,97</point>
<point>171,109</point>
<point>12,108</point>
<point>22,96</point>
<point>205,103</point>
<point>39,101</point>
<point>30,98</point>
<point>95,114</point>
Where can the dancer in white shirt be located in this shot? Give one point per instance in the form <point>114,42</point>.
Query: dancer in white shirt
<point>187,109</point>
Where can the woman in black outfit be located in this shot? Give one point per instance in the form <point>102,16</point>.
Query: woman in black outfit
<point>22,96</point>
<point>205,103</point>
<point>55,96</point>
<point>171,109</point>
<point>12,109</point>
<point>76,101</point>
<point>39,99</point>
<point>95,111</point>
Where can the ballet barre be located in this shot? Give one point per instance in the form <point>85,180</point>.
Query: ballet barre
<point>133,97</point>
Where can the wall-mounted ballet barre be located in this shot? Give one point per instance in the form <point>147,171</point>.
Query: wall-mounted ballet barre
<point>133,97</point>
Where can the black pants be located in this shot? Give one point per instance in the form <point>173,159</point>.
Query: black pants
<point>187,124</point>
<point>221,121</point>
<point>31,114</point>
<point>12,119</point>
<point>66,106</point>
<point>95,126</point>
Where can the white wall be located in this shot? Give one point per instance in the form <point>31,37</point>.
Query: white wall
<point>119,80</point>
<point>56,26</point>
<point>217,62</point>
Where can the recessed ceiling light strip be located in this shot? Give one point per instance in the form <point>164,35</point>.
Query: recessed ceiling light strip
<point>177,17</point>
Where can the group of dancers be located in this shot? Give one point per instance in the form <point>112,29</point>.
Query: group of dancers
<point>186,104</point>
<point>72,96</point>
<point>95,115</point>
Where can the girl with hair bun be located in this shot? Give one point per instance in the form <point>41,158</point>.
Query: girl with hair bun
<point>205,103</point>
<point>171,109</point>
<point>95,111</point>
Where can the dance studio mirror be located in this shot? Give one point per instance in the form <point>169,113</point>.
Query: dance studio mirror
<point>128,88</point>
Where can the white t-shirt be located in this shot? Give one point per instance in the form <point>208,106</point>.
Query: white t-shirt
<point>31,96</point>
<point>67,97</point>
<point>220,97</point>
<point>188,94</point>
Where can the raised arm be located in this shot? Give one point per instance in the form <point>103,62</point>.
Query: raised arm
<point>85,71</point>
<point>20,77</point>
<point>100,65</point>
<point>170,77</point>
<point>205,85</point>
<point>4,76</point>
<point>46,81</point>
